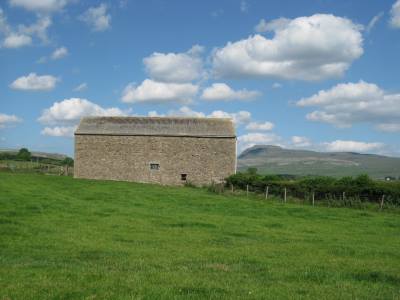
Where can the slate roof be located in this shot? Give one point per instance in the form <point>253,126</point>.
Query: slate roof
<point>157,126</point>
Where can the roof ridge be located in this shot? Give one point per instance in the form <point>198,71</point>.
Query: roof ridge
<point>161,126</point>
<point>157,117</point>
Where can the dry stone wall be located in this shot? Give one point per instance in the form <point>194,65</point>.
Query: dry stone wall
<point>202,159</point>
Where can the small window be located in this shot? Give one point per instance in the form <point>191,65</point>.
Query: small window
<point>183,177</point>
<point>154,166</point>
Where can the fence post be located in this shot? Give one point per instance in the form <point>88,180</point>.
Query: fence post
<point>231,187</point>
<point>285,196</point>
<point>247,190</point>
<point>266,193</point>
<point>313,198</point>
<point>383,199</point>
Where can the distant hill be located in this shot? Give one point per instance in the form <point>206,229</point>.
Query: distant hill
<point>55,156</point>
<point>276,160</point>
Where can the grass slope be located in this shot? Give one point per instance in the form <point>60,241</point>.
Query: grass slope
<point>277,160</point>
<point>62,238</point>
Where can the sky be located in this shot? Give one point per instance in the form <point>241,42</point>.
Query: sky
<point>307,74</point>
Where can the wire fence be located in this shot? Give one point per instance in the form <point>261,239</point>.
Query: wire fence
<point>314,197</point>
<point>33,167</point>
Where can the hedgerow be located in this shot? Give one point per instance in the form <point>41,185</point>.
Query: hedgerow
<point>361,187</point>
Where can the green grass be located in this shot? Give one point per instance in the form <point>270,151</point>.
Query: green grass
<point>62,238</point>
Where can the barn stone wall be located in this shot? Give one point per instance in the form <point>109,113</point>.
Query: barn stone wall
<point>128,158</point>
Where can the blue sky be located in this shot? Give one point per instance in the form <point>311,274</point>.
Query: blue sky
<point>320,74</point>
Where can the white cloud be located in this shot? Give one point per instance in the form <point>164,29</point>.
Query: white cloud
<point>38,29</point>
<point>306,48</point>
<point>40,5</point>
<point>97,18</point>
<point>185,111</point>
<point>175,67</point>
<point>217,13</point>
<point>83,86</point>
<point>344,92</point>
<point>4,27</point>
<point>59,53</point>
<point>223,92</point>
<point>154,113</point>
<point>123,4</point>
<point>151,91</point>
<point>374,21</point>
<point>348,103</point>
<point>352,146</point>
<point>261,26</point>
<point>303,142</point>
<point>70,111</point>
<point>59,131</point>
<point>251,139</point>
<point>300,141</point>
<point>258,126</point>
<point>277,24</point>
<point>23,35</point>
<point>244,6</point>
<point>16,40</point>
<point>389,127</point>
<point>276,85</point>
<point>395,15</point>
<point>241,117</point>
<point>7,120</point>
<point>42,60</point>
<point>34,82</point>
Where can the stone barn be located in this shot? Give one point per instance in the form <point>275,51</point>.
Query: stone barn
<point>170,151</point>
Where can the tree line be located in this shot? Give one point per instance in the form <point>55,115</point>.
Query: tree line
<point>361,187</point>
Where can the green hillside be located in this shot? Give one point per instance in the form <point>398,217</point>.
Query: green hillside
<point>277,160</point>
<point>24,161</point>
<point>63,238</point>
<point>36,154</point>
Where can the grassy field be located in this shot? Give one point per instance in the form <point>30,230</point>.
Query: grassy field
<point>62,238</point>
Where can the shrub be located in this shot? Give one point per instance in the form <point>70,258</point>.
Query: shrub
<point>345,189</point>
<point>24,154</point>
<point>68,161</point>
